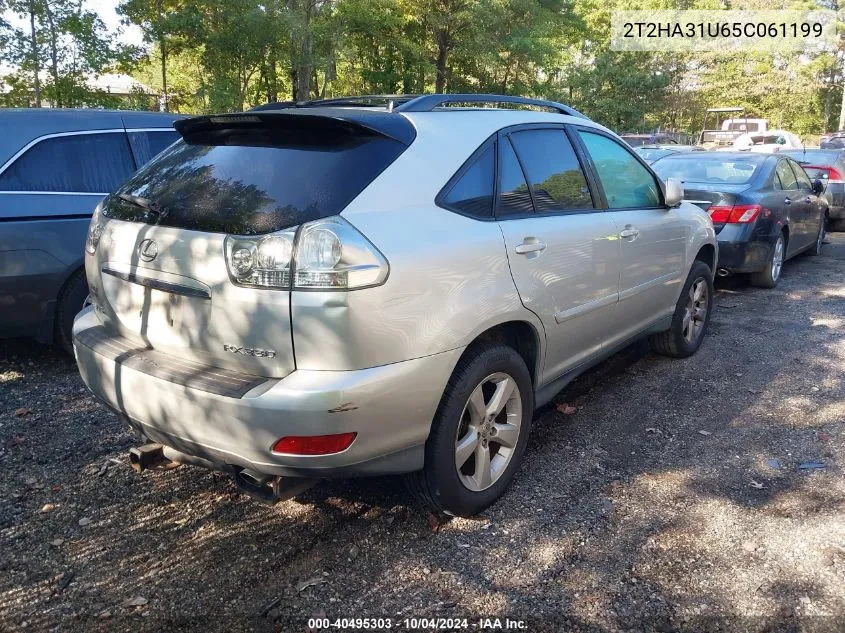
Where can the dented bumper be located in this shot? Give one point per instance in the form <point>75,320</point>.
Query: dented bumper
<point>234,423</point>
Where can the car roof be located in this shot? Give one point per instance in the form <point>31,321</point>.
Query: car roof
<point>670,146</point>
<point>811,155</point>
<point>22,125</point>
<point>714,156</point>
<point>399,125</point>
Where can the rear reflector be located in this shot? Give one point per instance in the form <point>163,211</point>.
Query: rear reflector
<point>314,444</point>
<point>737,214</point>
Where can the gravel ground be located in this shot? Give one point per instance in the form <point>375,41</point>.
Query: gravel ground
<point>703,494</point>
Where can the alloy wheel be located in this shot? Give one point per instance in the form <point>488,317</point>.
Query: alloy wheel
<point>488,431</point>
<point>695,313</point>
<point>777,259</point>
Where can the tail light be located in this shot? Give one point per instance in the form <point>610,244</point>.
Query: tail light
<point>327,254</point>
<point>314,444</point>
<point>262,262</point>
<point>833,175</point>
<point>736,214</point>
<point>95,231</point>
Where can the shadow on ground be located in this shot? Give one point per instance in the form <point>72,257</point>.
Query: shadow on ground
<point>692,495</point>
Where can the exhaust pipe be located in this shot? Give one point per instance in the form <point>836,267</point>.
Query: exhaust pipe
<point>722,272</point>
<point>265,488</point>
<point>269,489</point>
<point>148,456</point>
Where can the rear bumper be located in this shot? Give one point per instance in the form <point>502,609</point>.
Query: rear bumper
<point>390,408</point>
<point>743,257</point>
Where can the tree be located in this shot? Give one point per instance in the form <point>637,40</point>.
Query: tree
<point>155,19</point>
<point>68,41</point>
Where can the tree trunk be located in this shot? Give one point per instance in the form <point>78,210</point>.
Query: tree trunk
<point>842,112</point>
<point>54,56</point>
<point>162,45</point>
<point>272,77</point>
<point>303,75</point>
<point>35,61</point>
<point>441,38</point>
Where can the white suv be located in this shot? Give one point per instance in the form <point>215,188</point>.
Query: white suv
<point>346,288</point>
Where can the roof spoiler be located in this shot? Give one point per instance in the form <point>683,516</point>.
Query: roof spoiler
<point>213,129</point>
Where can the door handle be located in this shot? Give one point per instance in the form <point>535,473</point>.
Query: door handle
<point>808,199</point>
<point>629,234</point>
<point>528,247</point>
<point>788,201</point>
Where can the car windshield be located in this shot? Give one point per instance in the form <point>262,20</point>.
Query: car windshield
<point>712,169</point>
<point>254,185</point>
<point>768,139</point>
<point>653,153</point>
<point>636,141</point>
<point>819,158</point>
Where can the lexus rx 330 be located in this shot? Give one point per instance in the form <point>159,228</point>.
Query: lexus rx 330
<point>342,288</point>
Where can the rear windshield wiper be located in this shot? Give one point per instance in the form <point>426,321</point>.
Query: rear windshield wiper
<point>148,205</point>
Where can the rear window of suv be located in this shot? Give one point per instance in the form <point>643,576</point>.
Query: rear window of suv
<point>258,182</point>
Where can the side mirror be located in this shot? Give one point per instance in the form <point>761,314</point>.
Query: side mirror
<point>818,187</point>
<point>674,193</point>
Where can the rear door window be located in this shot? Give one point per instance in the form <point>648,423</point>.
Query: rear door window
<point>557,181</point>
<point>76,163</point>
<point>626,183</point>
<point>473,192</point>
<point>257,179</point>
<point>784,176</point>
<point>147,143</point>
<point>514,195</point>
<point>801,176</point>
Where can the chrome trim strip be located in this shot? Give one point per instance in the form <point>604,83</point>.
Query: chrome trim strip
<point>584,308</point>
<point>55,193</point>
<point>630,292</point>
<point>44,137</point>
<point>158,284</point>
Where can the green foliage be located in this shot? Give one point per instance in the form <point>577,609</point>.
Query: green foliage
<point>228,55</point>
<point>63,45</point>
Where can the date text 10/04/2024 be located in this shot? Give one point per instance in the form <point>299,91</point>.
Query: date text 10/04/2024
<point>422,624</point>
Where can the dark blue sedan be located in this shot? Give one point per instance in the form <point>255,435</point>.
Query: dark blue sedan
<point>764,207</point>
<point>55,166</point>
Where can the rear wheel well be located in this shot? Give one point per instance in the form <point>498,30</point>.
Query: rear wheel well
<point>519,335</point>
<point>707,254</point>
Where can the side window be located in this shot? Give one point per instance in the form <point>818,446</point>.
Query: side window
<point>556,178</point>
<point>801,176</point>
<point>514,196</point>
<point>626,183</point>
<point>786,176</point>
<point>146,144</point>
<point>80,163</point>
<point>473,192</point>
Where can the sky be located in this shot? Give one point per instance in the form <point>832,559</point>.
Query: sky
<point>106,9</point>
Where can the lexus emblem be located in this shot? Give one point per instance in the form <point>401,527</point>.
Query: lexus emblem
<point>147,250</point>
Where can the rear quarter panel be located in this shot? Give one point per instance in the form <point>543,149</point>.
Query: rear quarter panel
<point>449,276</point>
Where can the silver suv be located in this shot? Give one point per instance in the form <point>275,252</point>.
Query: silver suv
<point>343,288</point>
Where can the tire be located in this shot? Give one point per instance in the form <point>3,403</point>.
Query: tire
<point>816,249</point>
<point>770,275</point>
<point>488,370</point>
<point>836,225</point>
<point>71,299</point>
<point>691,316</point>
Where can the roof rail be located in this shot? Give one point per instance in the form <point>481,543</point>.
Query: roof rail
<point>427,103</point>
<point>374,101</point>
<point>357,101</point>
